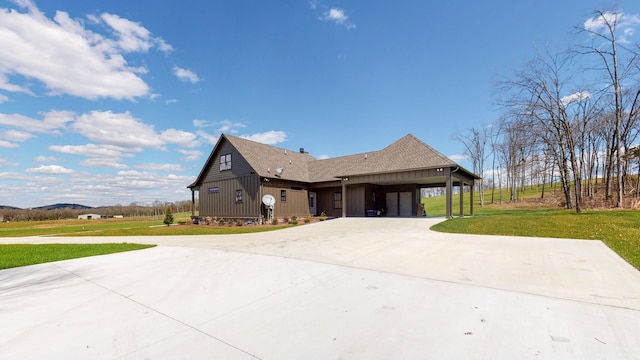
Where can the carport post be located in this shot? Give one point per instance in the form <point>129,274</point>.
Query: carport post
<point>344,197</point>
<point>461,198</point>
<point>471,198</point>
<point>449,194</point>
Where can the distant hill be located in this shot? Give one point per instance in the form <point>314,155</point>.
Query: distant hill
<point>7,207</point>
<point>63,206</point>
<point>50,207</point>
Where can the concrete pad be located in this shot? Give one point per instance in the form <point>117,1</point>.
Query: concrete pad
<point>348,288</point>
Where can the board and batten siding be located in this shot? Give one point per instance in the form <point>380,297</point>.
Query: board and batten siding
<point>297,201</point>
<point>217,196</point>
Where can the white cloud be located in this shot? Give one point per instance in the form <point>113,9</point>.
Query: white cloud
<point>171,101</point>
<point>51,122</point>
<point>93,150</point>
<point>8,144</point>
<point>269,137</point>
<point>577,96</point>
<point>3,98</point>
<point>119,129</point>
<point>131,36</point>
<point>161,167</point>
<point>4,162</point>
<point>50,169</point>
<point>179,137</point>
<point>69,58</point>
<point>43,158</point>
<point>323,157</point>
<point>186,75</point>
<point>625,24</point>
<point>16,135</point>
<point>339,17</point>
<point>458,158</point>
<point>200,123</point>
<point>229,127</point>
<point>190,155</point>
<point>211,139</point>
<point>100,162</point>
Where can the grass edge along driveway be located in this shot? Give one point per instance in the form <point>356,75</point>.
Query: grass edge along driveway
<point>16,255</point>
<point>619,230</point>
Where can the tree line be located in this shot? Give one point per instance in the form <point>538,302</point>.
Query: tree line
<point>569,117</point>
<point>156,209</point>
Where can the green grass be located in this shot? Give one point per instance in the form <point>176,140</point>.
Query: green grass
<point>620,230</point>
<point>143,226</point>
<point>15,255</point>
<point>180,230</point>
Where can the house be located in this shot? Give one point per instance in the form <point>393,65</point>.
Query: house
<point>240,172</point>
<point>90,216</point>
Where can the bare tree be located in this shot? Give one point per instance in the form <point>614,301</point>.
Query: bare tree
<point>618,63</point>
<point>475,143</point>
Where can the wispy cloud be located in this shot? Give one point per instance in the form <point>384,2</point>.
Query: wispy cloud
<point>625,24</point>
<point>268,137</point>
<point>186,75</point>
<point>339,17</point>
<point>50,169</point>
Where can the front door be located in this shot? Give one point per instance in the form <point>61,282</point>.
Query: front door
<point>312,203</point>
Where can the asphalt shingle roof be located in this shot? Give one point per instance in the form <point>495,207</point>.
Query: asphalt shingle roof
<point>408,153</point>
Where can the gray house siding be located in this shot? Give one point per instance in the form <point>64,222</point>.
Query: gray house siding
<point>218,198</point>
<point>296,198</point>
<point>217,194</point>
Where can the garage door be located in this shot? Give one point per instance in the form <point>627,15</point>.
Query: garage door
<point>405,204</point>
<point>392,204</point>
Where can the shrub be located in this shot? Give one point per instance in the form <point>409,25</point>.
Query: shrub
<point>294,220</point>
<point>323,216</point>
<point>168,217</point>
<point>221,221</point>
<point>286,220</point>
<point>308,218</point>
<point>239,222</point>
<point>274,221</point>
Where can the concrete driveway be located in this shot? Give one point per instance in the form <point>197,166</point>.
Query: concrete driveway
<point>373,288</point>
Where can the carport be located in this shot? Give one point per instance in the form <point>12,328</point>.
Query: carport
<point>398,192</point>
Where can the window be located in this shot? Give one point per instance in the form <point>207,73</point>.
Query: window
<point>337,200</point>
<point>225,162</point>
<point>238,196</point>
<point>283,195</point>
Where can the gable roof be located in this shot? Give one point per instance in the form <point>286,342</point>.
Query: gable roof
<point>265,159</point>
<point>408,153</point>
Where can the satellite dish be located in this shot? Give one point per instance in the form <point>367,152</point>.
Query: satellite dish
<point>268,200</point>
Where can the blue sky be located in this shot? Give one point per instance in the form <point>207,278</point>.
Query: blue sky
<point>111,102</point>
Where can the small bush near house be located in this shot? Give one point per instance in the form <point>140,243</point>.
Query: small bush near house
<point>286,220</point>
<point>323,216</point>
<point>239,222</point>
<point>274,221</point>
<point>294,220</point>
<point>221,221</point>
<point>307,219</point>
<point>168,217</point>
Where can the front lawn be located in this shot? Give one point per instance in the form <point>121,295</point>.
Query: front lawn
<point>15,255</point>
